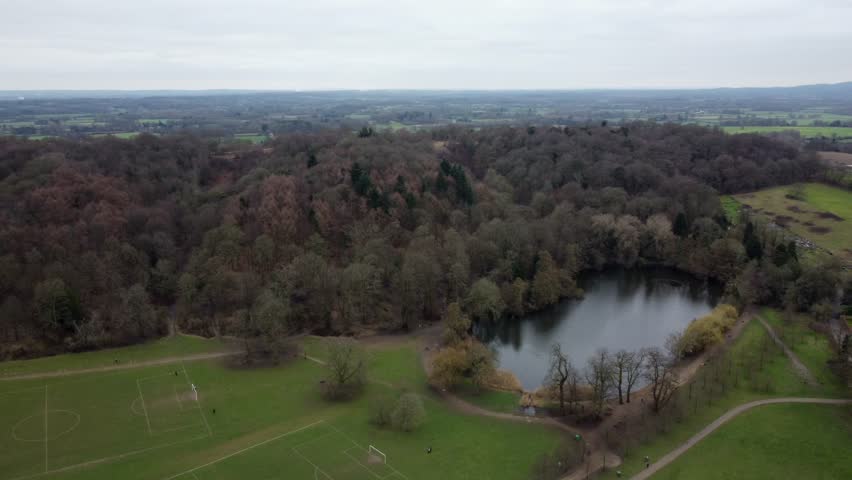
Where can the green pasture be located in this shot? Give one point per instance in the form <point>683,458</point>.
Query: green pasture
<point>805,131</point>
<point>251,137</point>
<point>144,423</point>
<point>773,442</point>
<point>123,135</point>
<point>776,373</point>
<point>812,347</point>
<point>825,215</point>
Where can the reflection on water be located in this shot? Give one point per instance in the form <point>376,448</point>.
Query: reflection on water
<point>621,309</point>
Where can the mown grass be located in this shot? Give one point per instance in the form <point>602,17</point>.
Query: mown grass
<point>252,406</point>
<point>494,400</point>
<point>178,345</point>
<point>701,409</point>
<point>812,348</point>
<point>809,218</point>
<point>772,442</point>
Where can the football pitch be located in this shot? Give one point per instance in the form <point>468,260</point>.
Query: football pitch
<point>59,427</point>
<point>147,422</point>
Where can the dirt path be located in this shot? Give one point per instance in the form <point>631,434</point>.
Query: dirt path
<point>597,455</point>
<point>671,456</point>
<point>800,367</point>
<point>121,366</point>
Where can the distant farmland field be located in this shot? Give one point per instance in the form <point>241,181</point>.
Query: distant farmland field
<point>824,216</point>
<point>807,132</point>
<point>251,137</point>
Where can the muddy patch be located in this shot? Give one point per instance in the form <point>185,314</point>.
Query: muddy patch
<point>784,220</point>
<point>819,230</point>
<point>830,216</point>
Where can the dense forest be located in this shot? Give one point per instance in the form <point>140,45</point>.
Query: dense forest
<point>108,241</point>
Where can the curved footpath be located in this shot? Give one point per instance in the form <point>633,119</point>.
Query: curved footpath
<point>671,456</point>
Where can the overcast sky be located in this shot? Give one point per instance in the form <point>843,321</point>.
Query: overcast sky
<point>459,44</point>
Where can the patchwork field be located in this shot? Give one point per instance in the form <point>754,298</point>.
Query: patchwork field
<point>146,422</point>
<point>824,215</point>
<point>807,132</point>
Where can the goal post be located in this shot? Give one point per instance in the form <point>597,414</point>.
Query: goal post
<point>375,452</point>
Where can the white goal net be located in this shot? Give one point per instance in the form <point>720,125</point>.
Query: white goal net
<point>377,455</point>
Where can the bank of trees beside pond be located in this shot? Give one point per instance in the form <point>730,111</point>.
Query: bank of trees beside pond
<point>109,241</point>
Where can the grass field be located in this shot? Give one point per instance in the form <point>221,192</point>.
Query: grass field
<point>178,345</point>
<point>731,207</point>
<point>145,423</point>
<point>807,132</point>
<point>124,135</point>
<point>496,400</point>
<point>825,215</point>
<point>784,383</point>
<point>773,442</point>
<point>811,347</point>
<point>251,137</point>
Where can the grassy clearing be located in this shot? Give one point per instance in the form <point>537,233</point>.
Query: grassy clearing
<point>495,400</point>
<point>144,423</point>
<point>807,132</point>
<point>701,408</point>
<point>825,215</point>
<point>772,442</point>
<point>731,207</point>
<point>123,135</point>
<point>812,348</point>
<point>250,137</point>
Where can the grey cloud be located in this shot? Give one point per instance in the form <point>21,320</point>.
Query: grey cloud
<point>325,44</point>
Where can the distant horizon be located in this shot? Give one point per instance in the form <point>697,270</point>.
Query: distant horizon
<point>404,89</point>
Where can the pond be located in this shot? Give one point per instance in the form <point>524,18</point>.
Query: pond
<point>621,308</point>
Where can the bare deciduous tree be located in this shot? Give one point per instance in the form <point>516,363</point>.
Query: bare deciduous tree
<point>626,368</point>
<point>347,367</point>
<point>634,369</point>
<point>562,375</point>
<point>658,371</point>
<point>599,377</point>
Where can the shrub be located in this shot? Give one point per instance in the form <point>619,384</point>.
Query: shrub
<point>381,411</point>
<point>707,330</point>
<point>409,413</point>
<point>468,359</point>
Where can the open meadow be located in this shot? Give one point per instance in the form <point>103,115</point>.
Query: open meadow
<point>751,369</point>
<point>805,131</point>
<point>773,442</point>
<point>822,215</point>
<point>135,420</point>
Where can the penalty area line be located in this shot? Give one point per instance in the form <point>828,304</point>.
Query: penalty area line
<point>250,447</point>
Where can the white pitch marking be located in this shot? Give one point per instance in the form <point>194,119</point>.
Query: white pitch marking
<point>200,410</point>
<point>192,470</point>
<point>144,408</point>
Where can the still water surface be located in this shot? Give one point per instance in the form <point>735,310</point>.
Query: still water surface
<point>621,309</point>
